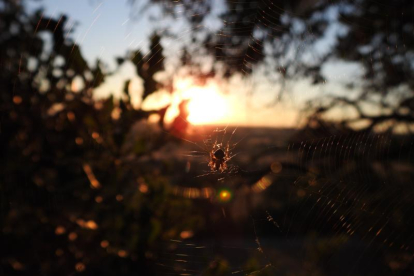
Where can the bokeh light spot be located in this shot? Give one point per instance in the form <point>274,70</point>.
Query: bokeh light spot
<point>73,236</point>
<point>60,230</point>
<point>122,253</point>
<point>143,188</point>
<point>186,234</point>
<point>17,100</point>
<point>276,167</point>
<point>98,199</point>
<point>225,195</point>
<point>104,244</point>
<point>79,141</point>
<point>80,267</point>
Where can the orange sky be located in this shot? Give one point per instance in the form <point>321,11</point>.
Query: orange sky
<point>216,103</point>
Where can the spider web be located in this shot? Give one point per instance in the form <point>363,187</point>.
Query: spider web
<point>339,210</point>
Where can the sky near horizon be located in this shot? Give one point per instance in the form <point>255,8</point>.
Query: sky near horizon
<point>109,29</point>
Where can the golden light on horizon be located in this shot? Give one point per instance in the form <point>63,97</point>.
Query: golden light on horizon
<point>206,105</point>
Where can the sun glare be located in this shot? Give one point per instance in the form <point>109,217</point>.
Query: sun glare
<point>206,105</point>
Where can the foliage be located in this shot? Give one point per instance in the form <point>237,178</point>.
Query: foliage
<point>286,36</point>
<point>73,196</point>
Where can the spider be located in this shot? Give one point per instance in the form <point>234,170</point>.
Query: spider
<point>219,158</point>
<point>220,155</point>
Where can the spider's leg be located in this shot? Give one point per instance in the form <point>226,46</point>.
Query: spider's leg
<point>217,164</point>
<point>215,143</point>
<point>211,163</point>
<point>223,167</point>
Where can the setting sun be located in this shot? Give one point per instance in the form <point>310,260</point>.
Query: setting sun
<point>206,105</point>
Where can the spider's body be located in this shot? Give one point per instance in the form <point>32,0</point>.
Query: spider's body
<point>219,154</point>
<point>218,159</point>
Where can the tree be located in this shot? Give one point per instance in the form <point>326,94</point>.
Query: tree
<point>75,195</point>
<point>375,35</point>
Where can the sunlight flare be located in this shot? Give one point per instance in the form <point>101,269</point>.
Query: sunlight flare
<point>206,105</point>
